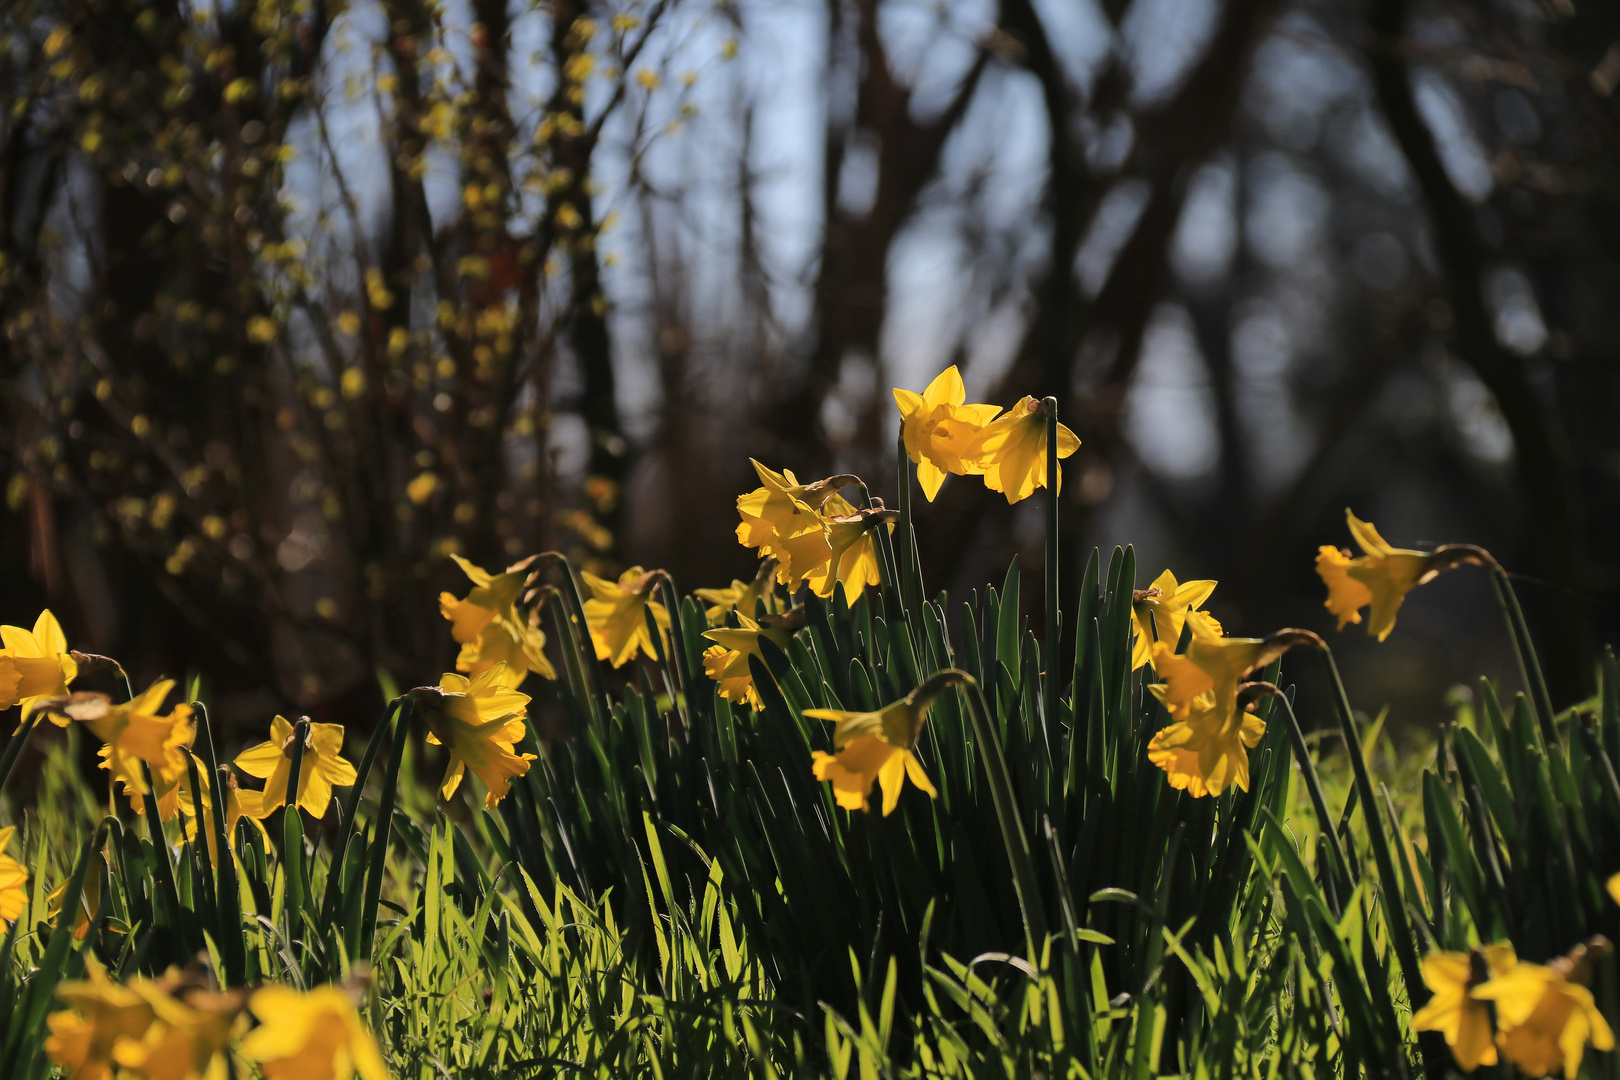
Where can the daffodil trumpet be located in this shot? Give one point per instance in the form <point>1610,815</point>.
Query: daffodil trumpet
<point>1380,577</point>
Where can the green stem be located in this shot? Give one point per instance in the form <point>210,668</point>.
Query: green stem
<point>379,842</point>
<point>1313,785</point>
<point>1012,826</point>
<point>888,574</point>
<point>346,814</point>
<point>14,748</point>
<point>1054,618</point>
<point>1529,664</point>
<point>226,899</point>
<point>1400,929</point>
<point>911,590</point>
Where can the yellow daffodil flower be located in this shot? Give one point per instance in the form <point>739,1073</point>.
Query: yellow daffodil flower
<point>239,804</point>
<point>614,614</point>
<point>190,1032</point>
<point>13,880</point>
<point>1202,755</point>
<point>321,769</point>
<point>875,747</point>
<point>1454,1011</point>
<point>1011,451</point>
<point>852,553</point>
<point>135,732</point>
<point>105,1016</point>
<point>1382,575</point>
<point>479,721</point>
<point>35,665</point>
<point>782,518</point>
<point>312,1036</point>
<point>1210,665</point>
<point>489,627</point>
<point>741,596</point>
<point>1163,608</point>
<point>1614,888</point>
<point>941,433</point>
<point>1544,1019</point>
<point>727,661</point>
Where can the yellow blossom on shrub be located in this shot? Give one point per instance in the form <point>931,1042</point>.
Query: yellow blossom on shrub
<point>1544,1020</point>
<point>1011,451</point>
<point>941,432</point>
<point>479,721</point>
<point>1163,608</point>
<point>726,662</point>
<point>311,1036</point>
<point>321,768</point>
<point>35,665</point>
<point>875,747</point>
<point>1454,1011</point>
<point>615,614</point>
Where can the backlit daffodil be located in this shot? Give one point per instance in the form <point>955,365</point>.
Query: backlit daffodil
<point>105,1016</point>
<point>739,596</point>
<point>782,518</point>
<point>239,804</point>
<point>877,747</point>
<point>35,665</point>
<point>489,627</point>
<point>189,1033</point>
<point>726,662</point>
<point>1453,1011</point>
<point>479,721</point>
<point>1206,748</point>
<point>941,433</point>
<point>89,902</point>
<point>615,614</point>
<point>313,1036</point>
<point>136,732</point>
<point>1544,1017</point>
<point>320,769</point>
<point>1163,608</point>
<point>1203,754</point>
<point>13,880</point>
<point>1011,451</point>
<point>1382,575</point>
<point>852,559</point>
<point>1614,888</point>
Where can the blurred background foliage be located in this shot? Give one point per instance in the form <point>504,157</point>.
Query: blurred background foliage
<point>299,297</point>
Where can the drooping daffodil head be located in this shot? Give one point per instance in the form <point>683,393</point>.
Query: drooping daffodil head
<point>878,747</point>
<point>1381,576</point>
<point>1011,451</point>
<point>1454,1011</point>
<point>479,721</point>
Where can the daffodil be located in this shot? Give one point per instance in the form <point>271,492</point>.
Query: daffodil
<point>239,804</point>
<point>1545,1019</point>
<point>875,747</point>
<point>615,615</point>
<point>1454,1011</point>
<point>726,662</point>
<point>1382,575</point>
<point>940,431</point>
<point>311,1036</point>
<point>1203,754</point>
<point>480,721</point>
<point>490,628</point>
<point>89,902</point>
<point>321,769</point>
<point>105,1015</point>
<point>191,1029</point>
<point>782,518</point>
<point>137,732</point>
<point>1011,451</point>
<point>852,553</point>
<point>1214,666</point>
<point>739,596</point>
<point>1163,608</point>
<point>35,665</point>
<point>1614,888</point>
<point>13,880</point>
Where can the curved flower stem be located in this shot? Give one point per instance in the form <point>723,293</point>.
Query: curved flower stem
<point>1054,618</point>
<point>1400,927</point>
<point>1313,784</point>
<point>384,828</point>
<point>15,746</point>
<point>1007,812</point>
<point>1529,664</point>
